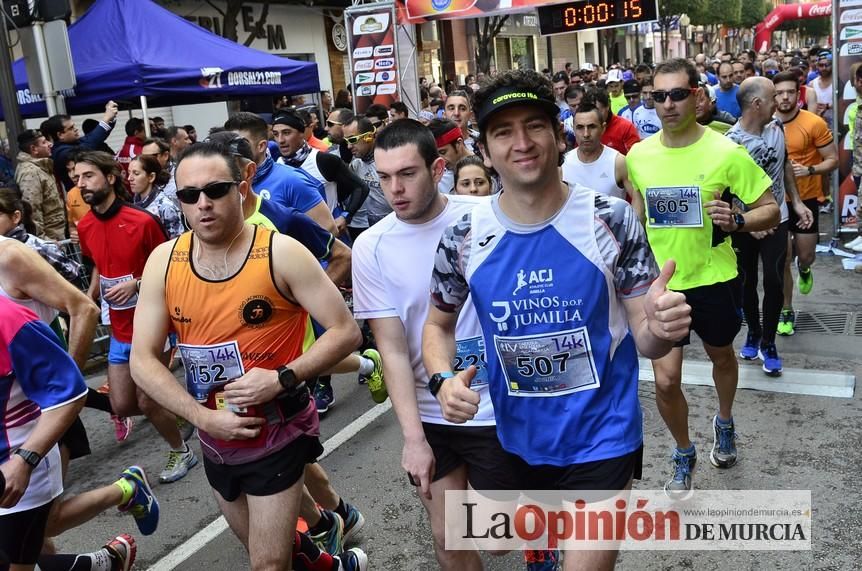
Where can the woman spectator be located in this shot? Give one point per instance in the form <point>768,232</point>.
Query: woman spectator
<point>147,178</point>
<point>472,177</point>
<point>15,223</point>
<point>343,100</point>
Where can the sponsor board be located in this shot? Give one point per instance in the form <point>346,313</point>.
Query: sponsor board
<point>364,78</point>
<point>851,49</point>
<point>382,51</point>
<point>851,17</point>
<point>371,24</point>
<point>851,33</point>
<point>386,88</point>
<point>366,90</point>
<point>363,65</point>
<point>385,63</point>
<point>384,76</point>
<point>360,53</point>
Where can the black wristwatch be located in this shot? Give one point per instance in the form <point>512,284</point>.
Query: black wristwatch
<point>739,219</point>
<point>436,381</point>
<point>30,457</point>
<point>811,171</point>
<point>287,378</point>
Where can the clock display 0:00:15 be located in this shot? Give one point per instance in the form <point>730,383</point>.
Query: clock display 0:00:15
<point>584,15</point>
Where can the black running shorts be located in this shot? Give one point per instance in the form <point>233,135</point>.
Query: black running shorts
<point>75,440</point>
<point>716,312</point>
<point>489,467</point>
<point>22,534</point>
<point>814,206</point>
<point>265,477</point>
<point>610,474</point>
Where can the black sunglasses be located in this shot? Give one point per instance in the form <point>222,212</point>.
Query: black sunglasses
<point>213,191</point>
<point>676,94</point>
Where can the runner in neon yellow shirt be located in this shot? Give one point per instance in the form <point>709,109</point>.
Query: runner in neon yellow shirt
<point>681,176</point>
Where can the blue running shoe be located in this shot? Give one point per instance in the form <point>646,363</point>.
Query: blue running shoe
<point>679,487</point>
<point>331,540</point>
<point>143,506</point>
<point>352,523</point>
<point>354,559</point>
<point>542,560</point>
<point>723,454</point>
<point>771,361</point>
<point>324,397</point>
<point>750,351</point>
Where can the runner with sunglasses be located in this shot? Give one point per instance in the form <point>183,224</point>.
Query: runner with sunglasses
<point>684,177</point>
<point>239,297</point>
<point>119,238</point>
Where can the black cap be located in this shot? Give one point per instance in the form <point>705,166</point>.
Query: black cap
<point>631,86</point>
<point>289,118</point>
<point>508,96</point>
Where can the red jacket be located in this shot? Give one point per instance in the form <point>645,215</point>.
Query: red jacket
<point>131,149</point>
<point>620,134</point>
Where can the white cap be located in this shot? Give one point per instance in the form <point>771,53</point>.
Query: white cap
<point>587,66</point>
<point>614,75</point>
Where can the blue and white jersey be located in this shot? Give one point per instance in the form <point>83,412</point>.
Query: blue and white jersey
<point>647,121</point>
<point>562,363</point>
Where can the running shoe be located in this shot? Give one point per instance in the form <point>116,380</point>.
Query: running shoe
<point>104,389</point>
<point>331,540</point>
<point>749,351</point>
<point>186,428</point>
<point>857,241</point>
<point>542,560</point>
<point>857,248</point>
<point>375,380</point>
<point>352,523</point>
<point>771,361</point>
<point>805,281</point>
<point>324,397</point>
<point>143,506</point>
<point>723,454</point>
<point>122,551</point>
<point>354,559</point>
<point>122,427</point>
<point>679,487</point>
<point>826,207</point>
<point>786,322</point>
<point>179,464</point>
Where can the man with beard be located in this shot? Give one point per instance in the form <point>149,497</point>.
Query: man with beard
<point>335,132</point>
<point>119,238</point>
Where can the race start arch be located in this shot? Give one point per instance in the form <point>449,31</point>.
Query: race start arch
<point>763,31</point>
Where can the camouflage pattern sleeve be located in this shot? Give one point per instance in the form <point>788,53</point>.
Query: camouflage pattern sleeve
<point>449,289</point>
<point>623,243</point>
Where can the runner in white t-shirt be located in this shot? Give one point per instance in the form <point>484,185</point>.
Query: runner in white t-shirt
<point>593,164</point>
<point>392,264</point>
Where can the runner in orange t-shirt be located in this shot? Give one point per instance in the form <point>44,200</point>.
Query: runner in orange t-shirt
<point>813,153</point>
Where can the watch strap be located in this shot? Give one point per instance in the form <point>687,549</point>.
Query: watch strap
<point>30,457</point>
<point>436,381</point>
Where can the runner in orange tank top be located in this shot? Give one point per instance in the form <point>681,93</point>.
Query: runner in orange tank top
<point>237,297</point>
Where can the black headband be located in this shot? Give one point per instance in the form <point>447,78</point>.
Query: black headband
<point>292,120</point>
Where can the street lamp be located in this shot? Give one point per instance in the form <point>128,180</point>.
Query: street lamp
<point>684,21</point>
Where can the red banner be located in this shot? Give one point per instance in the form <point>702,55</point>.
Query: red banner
<point>372,54</point>
<point>418,11</point>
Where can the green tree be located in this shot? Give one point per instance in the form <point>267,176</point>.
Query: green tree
<point>486,30</point>
<point>669,9</point>
<point>753,12</point>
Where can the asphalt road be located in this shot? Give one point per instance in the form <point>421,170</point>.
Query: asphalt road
<point>786,442</point>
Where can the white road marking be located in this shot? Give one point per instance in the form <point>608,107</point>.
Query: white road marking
<point>193,544</point>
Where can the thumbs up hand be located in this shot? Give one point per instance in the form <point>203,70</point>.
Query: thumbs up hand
<point>668,315</point>
<point>458,401</point>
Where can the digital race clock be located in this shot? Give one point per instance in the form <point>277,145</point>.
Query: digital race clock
<point>593,14</point>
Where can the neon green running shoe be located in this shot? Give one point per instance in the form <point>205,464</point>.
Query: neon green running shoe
<point>375,381</point>
<point>786,322</point>
<point>805,281</point>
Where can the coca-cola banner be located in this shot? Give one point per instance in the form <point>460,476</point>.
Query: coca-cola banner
<point>418,11</point>
<point>847,46</point>
<point>372,54</point>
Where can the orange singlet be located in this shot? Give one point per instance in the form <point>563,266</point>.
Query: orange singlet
<point>227,327</point>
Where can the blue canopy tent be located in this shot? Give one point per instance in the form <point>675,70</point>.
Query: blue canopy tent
<point>127,49</point>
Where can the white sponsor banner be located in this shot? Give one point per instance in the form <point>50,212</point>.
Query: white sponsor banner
<point>758,520</point>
